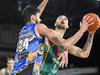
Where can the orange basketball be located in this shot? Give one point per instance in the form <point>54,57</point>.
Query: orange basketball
<point>96,21</point>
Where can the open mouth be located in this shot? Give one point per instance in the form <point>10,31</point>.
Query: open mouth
<point>62,22</point>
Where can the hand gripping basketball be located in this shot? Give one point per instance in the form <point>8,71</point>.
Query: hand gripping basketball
<point>94,27</point>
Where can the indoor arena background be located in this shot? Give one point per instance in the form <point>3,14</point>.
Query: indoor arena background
<point>11,23</point>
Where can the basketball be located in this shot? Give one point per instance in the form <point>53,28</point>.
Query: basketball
<point>96,21</point>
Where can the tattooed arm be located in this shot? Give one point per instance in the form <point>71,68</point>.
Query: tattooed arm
<point>83,53</point>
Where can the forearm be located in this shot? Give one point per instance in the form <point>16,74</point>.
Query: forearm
<point>83,53</point>
<point>83,27</point>
<point>41,7</point>
<point>87,47</point>
<point>75,38</point>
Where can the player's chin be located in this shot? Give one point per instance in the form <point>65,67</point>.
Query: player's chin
<point>63,25</point>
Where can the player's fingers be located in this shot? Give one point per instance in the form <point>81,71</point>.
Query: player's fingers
<point>90,19</point>
<point>87,18</point>
<point>90,23</point>
<point>59,57</point>
<point>63,60</point>
<point>63,63</point>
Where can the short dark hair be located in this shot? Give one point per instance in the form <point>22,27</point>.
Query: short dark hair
<point>28,11</point>
<point>9,58</point>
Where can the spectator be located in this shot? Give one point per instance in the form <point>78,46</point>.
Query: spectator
<point>7,70</point>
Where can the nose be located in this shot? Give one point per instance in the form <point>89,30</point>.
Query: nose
<point>62,19</point>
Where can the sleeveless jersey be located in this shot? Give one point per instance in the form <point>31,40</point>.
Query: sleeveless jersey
<point>29,48</point>
<point>50,65</point>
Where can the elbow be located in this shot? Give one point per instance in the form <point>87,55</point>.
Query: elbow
<point>84,55</point>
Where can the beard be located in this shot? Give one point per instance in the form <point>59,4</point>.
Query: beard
<point>59,26</point>
<point>37,21</point>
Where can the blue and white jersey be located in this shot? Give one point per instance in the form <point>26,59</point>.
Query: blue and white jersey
<point>28,43</point>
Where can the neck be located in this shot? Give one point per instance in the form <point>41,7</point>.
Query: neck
<point>61,32</point>
<point>31,21</point>
<point>10,69</point>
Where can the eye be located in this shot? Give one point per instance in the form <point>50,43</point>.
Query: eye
<point>64,19</point>
<point>60,17</point>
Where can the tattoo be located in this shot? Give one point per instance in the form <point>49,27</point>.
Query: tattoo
<point>89,42</point>
<point>87,47</point>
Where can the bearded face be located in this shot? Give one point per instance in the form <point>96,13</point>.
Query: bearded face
<point>62,22</point>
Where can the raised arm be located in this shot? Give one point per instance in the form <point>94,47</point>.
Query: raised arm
<point>83,28</point>
<point>42,6</point>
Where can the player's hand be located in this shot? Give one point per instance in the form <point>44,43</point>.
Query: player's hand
<point>64,58</point>
<point>86,22</point>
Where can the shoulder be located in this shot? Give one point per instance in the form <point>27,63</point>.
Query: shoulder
<point>3,70</point>
<point>41,25</point>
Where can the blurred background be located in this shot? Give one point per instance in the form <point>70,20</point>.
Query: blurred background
<point>11,23</point>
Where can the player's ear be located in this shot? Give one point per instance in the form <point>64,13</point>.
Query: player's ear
<point>33,17</point>
<point>56,22</point>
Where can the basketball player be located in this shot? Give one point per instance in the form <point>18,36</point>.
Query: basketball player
<point>9,68</point>
<point>29,53</point>
<point>50,65</point>
<point>76,51</point>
